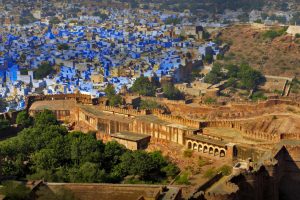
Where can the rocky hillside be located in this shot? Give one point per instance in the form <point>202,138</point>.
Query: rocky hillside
<point>273,56</point>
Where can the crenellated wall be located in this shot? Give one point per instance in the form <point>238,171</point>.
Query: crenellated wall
<point>237,124</point>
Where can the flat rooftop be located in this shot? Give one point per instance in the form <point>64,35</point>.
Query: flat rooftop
<point>53,105</point>
<point>97,113</point>
<point>125,135</point>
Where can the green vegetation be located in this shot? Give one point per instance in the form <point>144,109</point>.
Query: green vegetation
<point>144,87</point>
<point>13,190</point>
<point>243,76</point>
<point>172,93</point>
<point>113,98</point>
<point>212,6</point>
<point>210,100</point>
<point>183,179</point>
<point>27,18</point>
<point>172,20</point>
<point>208,58</point>
<point>280,19</point>
<point>47,151</point>
<point>215,75</point>
<point>258,95</point>
<point>272,34</point>
<point>3,105</point>
<point>4,124</point>
<point>295,88</point>
<point>296,18</point>
<point>225,170</point>
<point>211,172</point>
<point>244,17</point>
<point>43,70</point>
<point>149,104</point>
<point>24,119</point>
<point>103,16</point>
<point>63,47</point>
<point>188,153</point>
<point>54,20</point>
<point>44,193</point>
<point>202,161</point>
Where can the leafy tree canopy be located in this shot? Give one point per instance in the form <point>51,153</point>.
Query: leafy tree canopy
<point>45,150</point>
<point>143,86</point>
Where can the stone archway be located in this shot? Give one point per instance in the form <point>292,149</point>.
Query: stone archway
<point>205,149</point>
<point>210,150</point>
<point>195,146</point>
<point>189,146</point>
<point>200,147</point>
<point>222,153</point>
<point>216,152</point>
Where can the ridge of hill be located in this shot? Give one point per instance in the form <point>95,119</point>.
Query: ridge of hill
<point>273,56</point>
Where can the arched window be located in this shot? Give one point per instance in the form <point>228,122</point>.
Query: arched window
<point>216,152</point>
<point>200,148</point>
<point>189,145</point>
<point>205,149</point>
<point>211,150</point>
<point>195,146</point>
<point>222,153</point>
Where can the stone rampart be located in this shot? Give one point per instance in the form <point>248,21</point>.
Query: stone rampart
<point>178,120</point>
<point>235,124</point>
<point>129,112</point>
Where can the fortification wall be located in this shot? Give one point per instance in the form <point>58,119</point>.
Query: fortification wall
<point>178,120</point>
<point>235,124</point>
<point>160,131</point>
<point>128,112</point>
<point>232,110</point>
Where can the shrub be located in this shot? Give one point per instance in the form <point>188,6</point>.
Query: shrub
<point>210,100</point>
<point>183,179</point>
<point>225,170</point>
<point>202,162</point>
<point>188,153</point>
<point>210,173</point>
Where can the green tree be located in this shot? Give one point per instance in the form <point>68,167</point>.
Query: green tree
<point>171,170</point>
<point>110,90</point>
<point>91,173</point>
<point>15,191</point>
<point>45,118</point>
<point>143,86</point>
<point>54,20</point>
<point>45,159</point>
<point>63,47</point>
<point>250,78</point>
<point>113,98</point>
<point>112,154</point>
<point>172,93</point>
<point>43,70</point>
<point>24,119</point>
<point>149,104</point>
<point>215,75</point>
<point>84,148</point>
